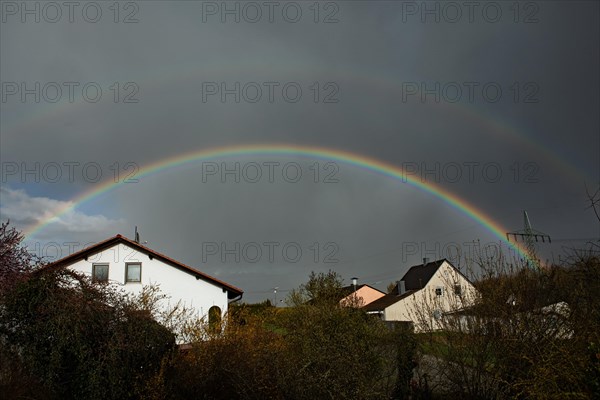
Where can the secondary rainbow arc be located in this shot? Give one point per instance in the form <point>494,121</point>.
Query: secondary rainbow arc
<point>493,125</point>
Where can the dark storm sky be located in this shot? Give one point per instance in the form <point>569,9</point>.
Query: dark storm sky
<point>510,89</point>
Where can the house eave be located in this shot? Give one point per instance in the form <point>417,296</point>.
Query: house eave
<point>232,291</point>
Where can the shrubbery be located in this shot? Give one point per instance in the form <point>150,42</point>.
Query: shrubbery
<point>75,339</point>
<point>532,334</point>
<point>63,337</point>
<point>313,349</point>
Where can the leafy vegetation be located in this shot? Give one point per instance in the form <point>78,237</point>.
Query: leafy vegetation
<point>74,338</point>
<point>531,335</point>
<point>313,349</point>
<point>64,337</point>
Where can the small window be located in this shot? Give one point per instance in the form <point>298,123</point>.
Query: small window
<point>214,315</point>
<point>214,319</point>
<point>457,290</point>
<point>437,314</point>
<point>439,291</point>
<point>133,272</point>
<point>100,273</point>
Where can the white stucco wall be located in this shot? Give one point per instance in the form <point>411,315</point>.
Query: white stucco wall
<point>175,283</point>
<point>419,306</point>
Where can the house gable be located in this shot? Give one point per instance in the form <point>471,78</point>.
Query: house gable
<point>418,276</point>
<point>131,267</point>
<point>366,293</point>
<point>433,283</point>
<point>110,244</point>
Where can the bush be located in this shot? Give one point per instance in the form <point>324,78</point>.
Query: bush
<point>64,337</point>
<point>531,335</point>
<point>81,340</point>
<point>312,350</point>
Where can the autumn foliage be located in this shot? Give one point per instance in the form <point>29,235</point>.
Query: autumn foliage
<point>532,334</point>
<point>64,337</point>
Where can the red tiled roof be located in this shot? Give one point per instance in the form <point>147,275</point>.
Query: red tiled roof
<point>233,291</point>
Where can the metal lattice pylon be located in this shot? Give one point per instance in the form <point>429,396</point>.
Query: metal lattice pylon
<point>529,236</point>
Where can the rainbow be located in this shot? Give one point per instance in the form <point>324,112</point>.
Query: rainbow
<point>345,157</point>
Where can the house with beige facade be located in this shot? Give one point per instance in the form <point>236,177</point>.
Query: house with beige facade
<point>425,294</point>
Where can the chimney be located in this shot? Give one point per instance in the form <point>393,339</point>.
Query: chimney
<point>425,260</point>
<point>401,287</point>
<point>354,281</point>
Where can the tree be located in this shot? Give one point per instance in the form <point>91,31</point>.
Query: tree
<point>313,349</point>
<point>321,289</point>
<point>332,351</point>
<point>75,338</point>
<point>240,362</point>
<point>15,260</point>
<point>530,334</point>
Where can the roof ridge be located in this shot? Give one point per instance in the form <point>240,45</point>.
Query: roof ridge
<point>122,239</point>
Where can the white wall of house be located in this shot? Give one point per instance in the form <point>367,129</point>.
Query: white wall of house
<point>179,285</point>
<point>422,306</point>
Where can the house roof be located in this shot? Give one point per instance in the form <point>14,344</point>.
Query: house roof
<point>232,291</point>
<point>386,301</point>
<point>415,279</point>
<point>348,290</point>
<point>418,276</point>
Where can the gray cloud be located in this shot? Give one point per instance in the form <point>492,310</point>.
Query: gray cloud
<point>545,151</point>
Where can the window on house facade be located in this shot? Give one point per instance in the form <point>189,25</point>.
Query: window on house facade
<point>439,291</point>
<point>214,319</point>
<point>133,272</point>
<point>457,290</point>
<point>100,273</point>
<point>214,315</point>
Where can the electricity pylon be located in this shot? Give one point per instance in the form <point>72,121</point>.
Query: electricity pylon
<point>528,235</point>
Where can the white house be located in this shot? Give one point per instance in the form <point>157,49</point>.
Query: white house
<point>424,294</point>
<point>127,263</point>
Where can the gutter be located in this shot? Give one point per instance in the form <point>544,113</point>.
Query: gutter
<point>236,299</point>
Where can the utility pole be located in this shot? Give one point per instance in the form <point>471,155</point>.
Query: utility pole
<point>528,235</point>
